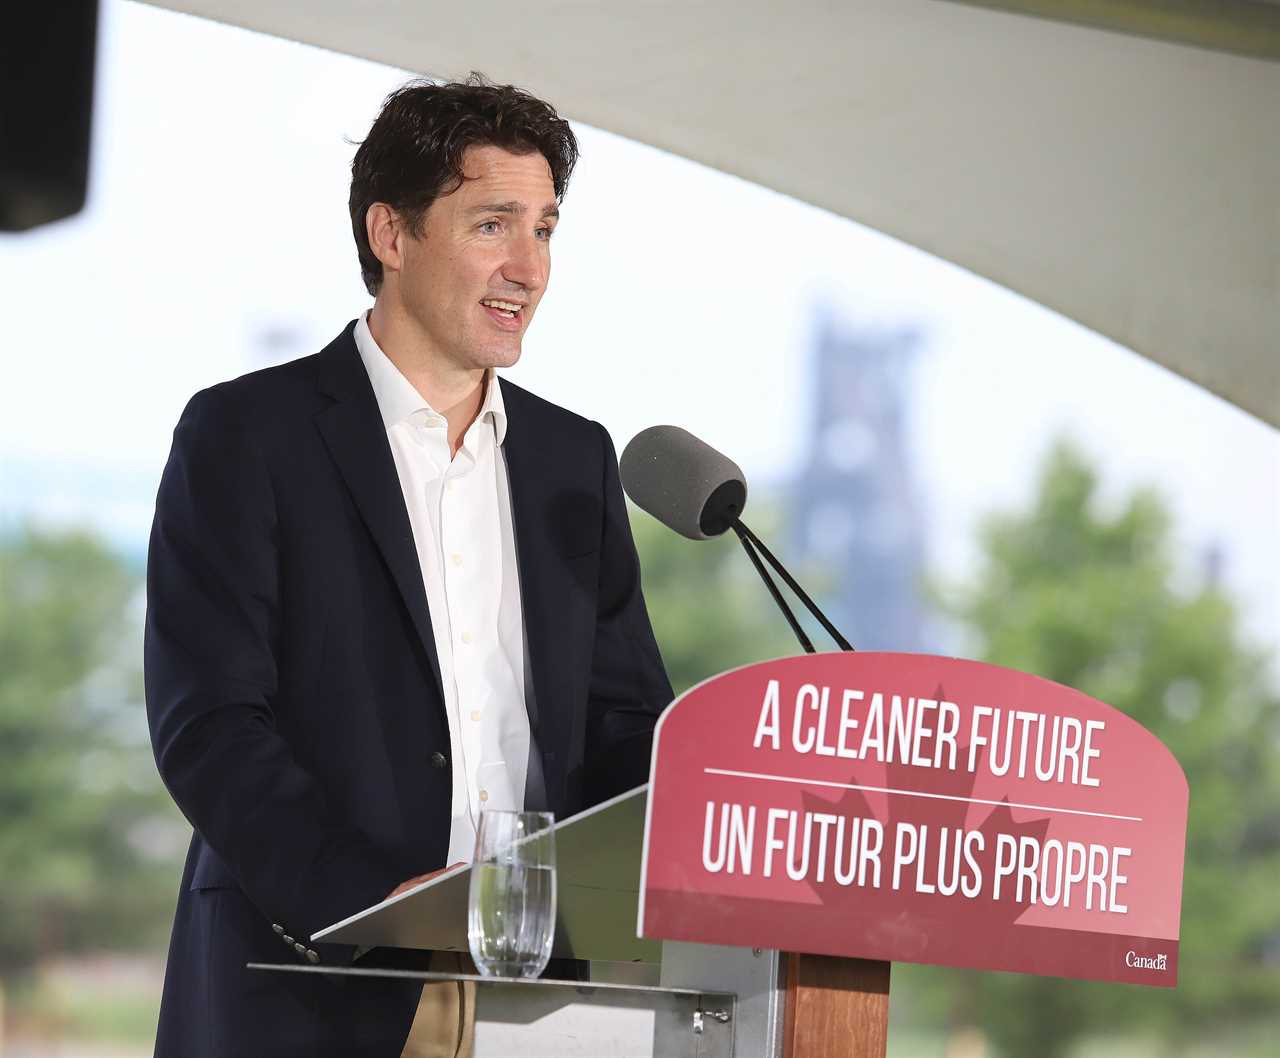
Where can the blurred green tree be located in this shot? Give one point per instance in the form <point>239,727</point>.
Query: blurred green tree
<point>88,836</point>
<point>1088,595</point>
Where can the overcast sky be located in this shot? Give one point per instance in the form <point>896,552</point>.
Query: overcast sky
<point>218,216</point>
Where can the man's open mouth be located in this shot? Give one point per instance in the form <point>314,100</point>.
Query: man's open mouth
<point>507,310</point>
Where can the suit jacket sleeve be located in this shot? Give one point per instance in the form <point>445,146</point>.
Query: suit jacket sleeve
<point>213,615</point>
<point>629,687</point>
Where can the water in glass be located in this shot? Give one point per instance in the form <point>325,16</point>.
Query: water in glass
<point>511,915</point>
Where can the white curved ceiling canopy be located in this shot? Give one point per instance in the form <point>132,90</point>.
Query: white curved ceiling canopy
<point>1121,167</point>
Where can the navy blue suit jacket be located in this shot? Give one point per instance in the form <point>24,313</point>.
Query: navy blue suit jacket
<point>294,696</point>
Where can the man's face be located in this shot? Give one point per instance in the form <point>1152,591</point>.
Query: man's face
<point>487,241</point>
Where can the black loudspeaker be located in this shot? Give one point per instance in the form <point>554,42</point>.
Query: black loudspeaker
<point>47,52</point>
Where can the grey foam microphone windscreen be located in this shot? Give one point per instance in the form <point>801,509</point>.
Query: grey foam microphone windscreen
<point>683,482</point>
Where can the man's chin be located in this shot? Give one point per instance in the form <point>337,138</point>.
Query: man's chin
<point>501,358</point>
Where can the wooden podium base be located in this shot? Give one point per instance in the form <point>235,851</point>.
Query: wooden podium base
<point>835,1008</point>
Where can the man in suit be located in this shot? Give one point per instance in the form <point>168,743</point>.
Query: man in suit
<point>386,591</point>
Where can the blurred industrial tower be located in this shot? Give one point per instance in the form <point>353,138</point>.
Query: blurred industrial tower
<point>853,511</point>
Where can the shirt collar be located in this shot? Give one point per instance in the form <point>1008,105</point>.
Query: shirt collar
<point>397,399</point>
<point>493,409</point>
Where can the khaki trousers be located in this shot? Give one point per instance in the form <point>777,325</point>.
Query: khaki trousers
<point>445,1024</point>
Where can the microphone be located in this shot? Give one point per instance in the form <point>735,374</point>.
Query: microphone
<point>700,493</point>
<point>683,482</point>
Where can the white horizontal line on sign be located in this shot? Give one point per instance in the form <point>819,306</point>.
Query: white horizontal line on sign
<point>915,793</point>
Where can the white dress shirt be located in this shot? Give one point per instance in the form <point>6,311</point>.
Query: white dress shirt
<point>460,510</point>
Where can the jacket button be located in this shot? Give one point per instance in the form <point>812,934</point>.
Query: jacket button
<point>287,939</point>
<point>312,957</point>
<point>439,760</point>
<point>301,949</point>
<point>277,927</point>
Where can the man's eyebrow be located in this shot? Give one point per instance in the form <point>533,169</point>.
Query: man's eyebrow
<point>514,208</point>
<point>498,207</point>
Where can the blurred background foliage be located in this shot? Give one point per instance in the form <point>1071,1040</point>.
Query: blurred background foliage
<point>1081,591</point>
<point>89,840</point>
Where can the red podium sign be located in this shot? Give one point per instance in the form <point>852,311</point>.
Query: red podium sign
<point>914,808</point>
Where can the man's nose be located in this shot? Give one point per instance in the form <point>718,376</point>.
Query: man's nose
<point>526,263</point>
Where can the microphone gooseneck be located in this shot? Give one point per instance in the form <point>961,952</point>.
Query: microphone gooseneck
<point>806,644</point>
<point>748,537</point>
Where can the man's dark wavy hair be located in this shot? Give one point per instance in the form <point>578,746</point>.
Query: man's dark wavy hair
<point>413,153</point>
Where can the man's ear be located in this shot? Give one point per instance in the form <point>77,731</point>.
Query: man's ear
<point>385,230</point>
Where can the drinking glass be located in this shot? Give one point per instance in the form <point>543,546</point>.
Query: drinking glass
<point>511,912</point>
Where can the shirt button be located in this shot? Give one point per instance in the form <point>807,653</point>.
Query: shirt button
<point>484,795</point>
<point>439,760</point>
<point>466,637</point>
<point>456,559</point>
<point>475,714</point>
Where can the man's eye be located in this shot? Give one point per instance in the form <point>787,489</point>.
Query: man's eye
<point>543,233</point>
<point>489,227</point>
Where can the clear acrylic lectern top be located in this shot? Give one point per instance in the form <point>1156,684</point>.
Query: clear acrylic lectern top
<point>598,856</point>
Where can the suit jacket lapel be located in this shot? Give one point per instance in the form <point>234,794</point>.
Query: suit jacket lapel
<point>527,464</point>
<point>353,430</point>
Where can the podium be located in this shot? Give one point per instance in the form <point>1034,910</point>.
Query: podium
<point>839,804</point>
<point>643,998</point>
